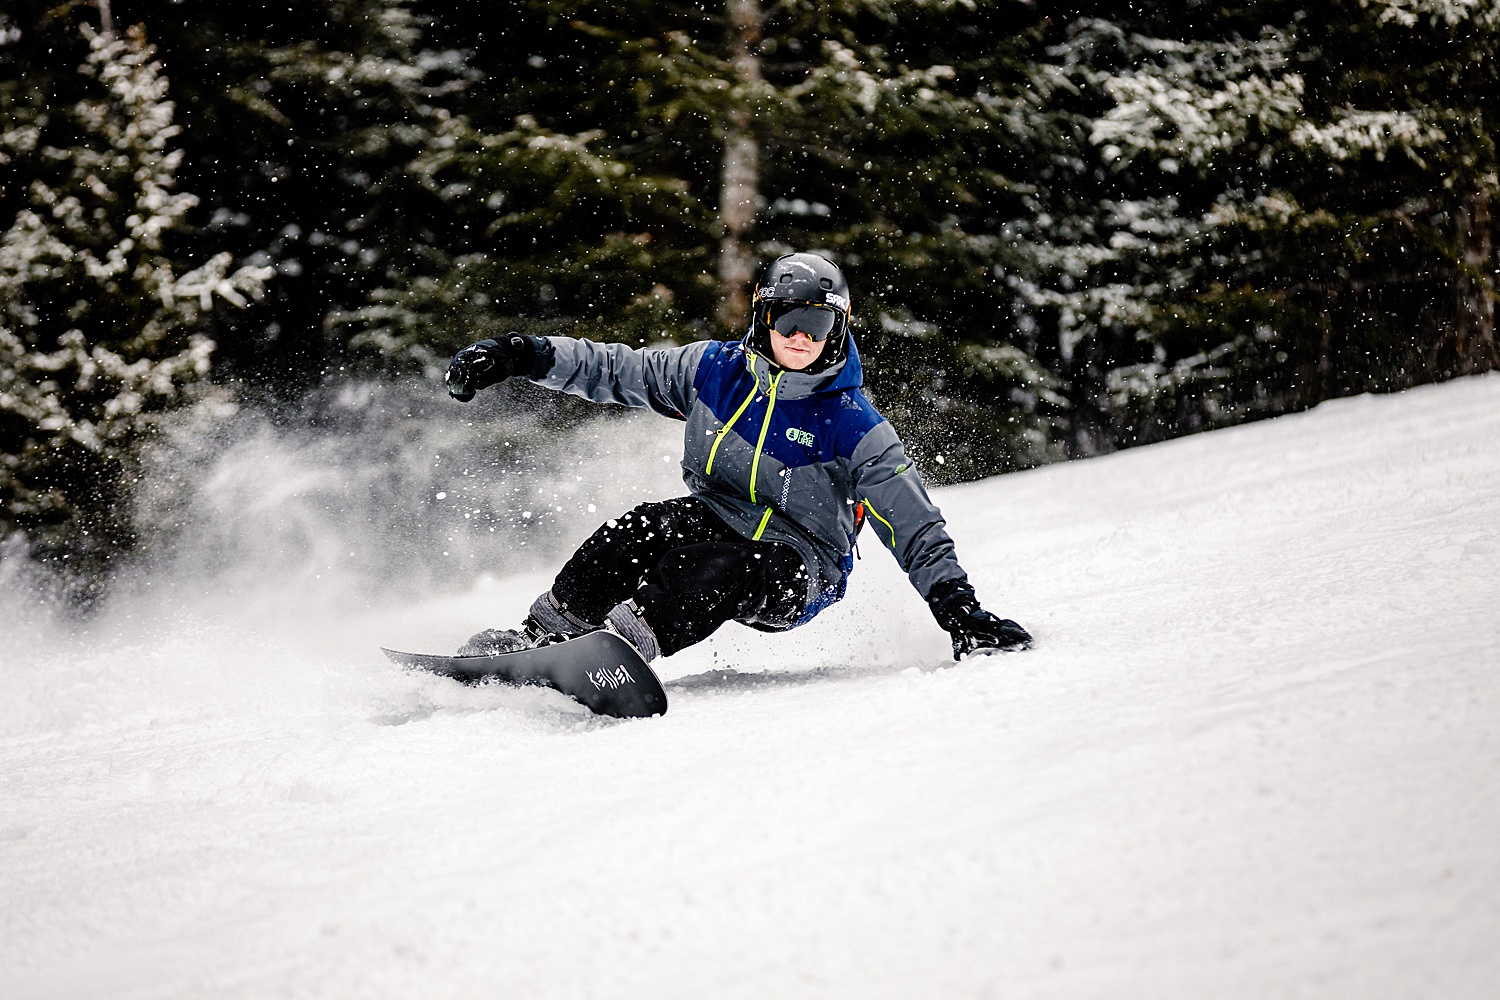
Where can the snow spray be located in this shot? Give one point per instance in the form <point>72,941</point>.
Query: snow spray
<point>276,544</point>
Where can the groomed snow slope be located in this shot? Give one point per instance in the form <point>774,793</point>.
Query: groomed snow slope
<point>1254,754</point>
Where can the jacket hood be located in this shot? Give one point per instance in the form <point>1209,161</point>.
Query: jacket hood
<point>845,374</point>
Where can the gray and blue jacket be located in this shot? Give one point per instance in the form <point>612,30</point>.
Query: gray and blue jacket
<point>780,455</point>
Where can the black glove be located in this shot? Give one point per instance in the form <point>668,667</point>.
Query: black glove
<point>972,628</point>
<point>491,362</point>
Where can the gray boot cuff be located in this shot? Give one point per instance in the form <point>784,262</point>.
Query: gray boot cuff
<point>625,621</point>
<point>546,613</point>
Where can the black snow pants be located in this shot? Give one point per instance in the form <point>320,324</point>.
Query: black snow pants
<point>687,571</point>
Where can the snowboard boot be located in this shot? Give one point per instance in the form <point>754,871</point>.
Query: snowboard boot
<point>551,615</point>
<point>627,622</point>
<point>508,640</point>
<point>546,623</point>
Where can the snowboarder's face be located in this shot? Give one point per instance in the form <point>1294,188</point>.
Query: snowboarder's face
<point>797,351</point>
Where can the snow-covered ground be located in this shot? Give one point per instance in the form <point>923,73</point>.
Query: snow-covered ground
<point>1255,753</point>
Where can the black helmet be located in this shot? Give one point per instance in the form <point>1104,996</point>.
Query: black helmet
<point>806,292</point>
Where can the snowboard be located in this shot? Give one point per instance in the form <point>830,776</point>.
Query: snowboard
<point>599,669</point>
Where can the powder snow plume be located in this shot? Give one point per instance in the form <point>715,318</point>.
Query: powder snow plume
<point>273,539</point>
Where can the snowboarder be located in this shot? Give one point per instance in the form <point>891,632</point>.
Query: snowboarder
<point>784,459</point>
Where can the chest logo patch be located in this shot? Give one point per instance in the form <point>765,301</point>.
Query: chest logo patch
<point>801,437</point>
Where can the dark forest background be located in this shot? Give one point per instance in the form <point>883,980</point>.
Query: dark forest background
<point>1069,227</point>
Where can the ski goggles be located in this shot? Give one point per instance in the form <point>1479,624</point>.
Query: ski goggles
<point>788,318</point>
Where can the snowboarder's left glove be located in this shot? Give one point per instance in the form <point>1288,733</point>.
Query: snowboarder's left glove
<point>972,628</point>
<point>491,362</point>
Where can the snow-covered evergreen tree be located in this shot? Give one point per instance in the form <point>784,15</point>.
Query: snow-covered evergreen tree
<point>100,319</point>
<point>1405,103</point>
<point>1297,208</point>
<point>1145,289</point>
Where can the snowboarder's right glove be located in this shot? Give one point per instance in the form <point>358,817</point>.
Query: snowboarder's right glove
<point>491,362</point>
<point>972,628</point>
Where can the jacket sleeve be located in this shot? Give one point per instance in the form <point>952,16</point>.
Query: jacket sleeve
<point>899,511</point>
<point>659,378</point>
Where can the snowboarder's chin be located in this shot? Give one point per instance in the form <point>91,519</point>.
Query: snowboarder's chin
<point>794,357</point>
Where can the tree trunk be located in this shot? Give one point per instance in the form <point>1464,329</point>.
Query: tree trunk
<point>1474,335</point>
<point>740,179</point>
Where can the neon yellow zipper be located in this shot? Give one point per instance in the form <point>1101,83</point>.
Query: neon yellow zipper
<point>871,508</point>
<point>763,522</point>
<point>764,426</point>
<point>719,435</point>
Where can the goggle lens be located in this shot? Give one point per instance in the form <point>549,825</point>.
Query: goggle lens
<point>788,318</point>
